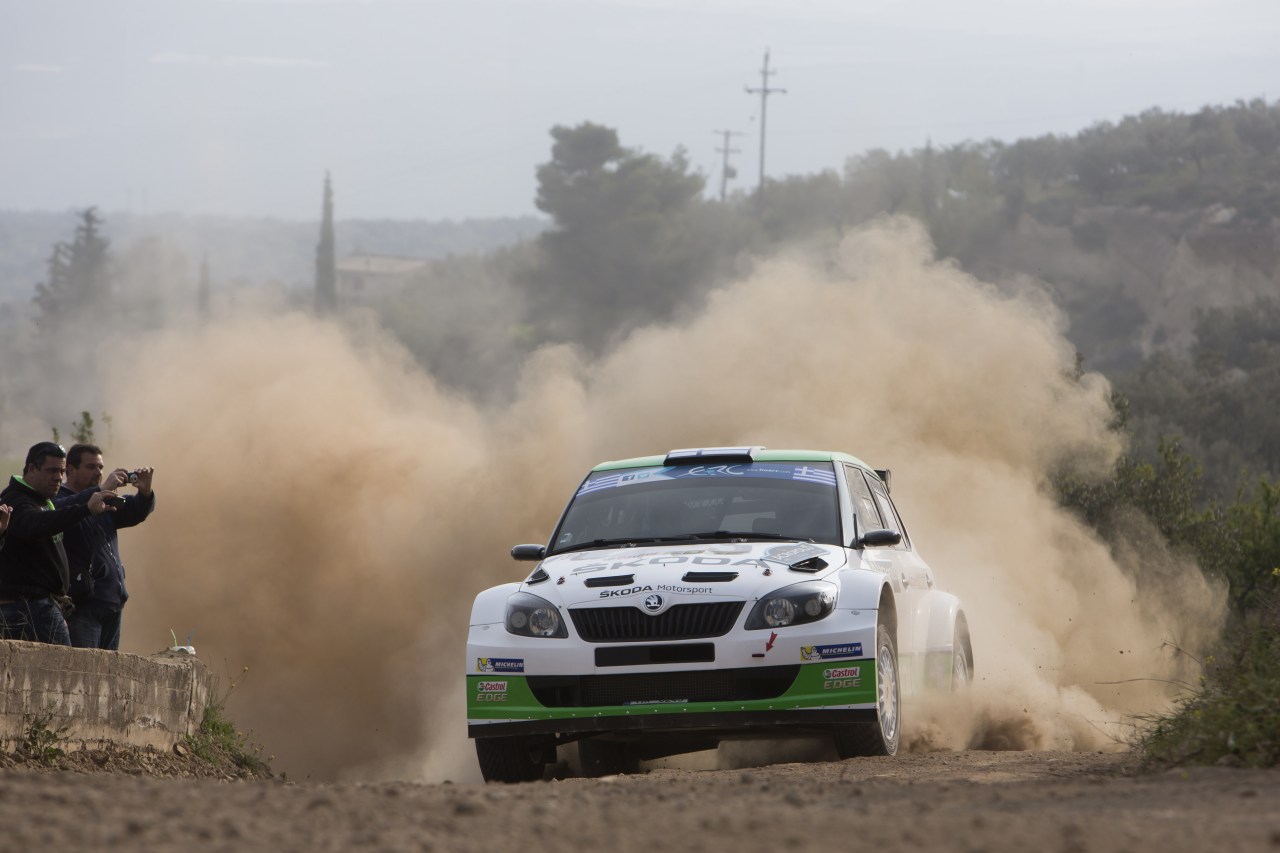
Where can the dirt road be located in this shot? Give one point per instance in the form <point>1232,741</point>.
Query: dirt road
<point>969,801</point>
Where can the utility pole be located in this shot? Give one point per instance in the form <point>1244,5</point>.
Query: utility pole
<point>764,92</point>
<point>726,171</point>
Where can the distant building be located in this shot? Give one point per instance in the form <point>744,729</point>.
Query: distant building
<point>363,277</point>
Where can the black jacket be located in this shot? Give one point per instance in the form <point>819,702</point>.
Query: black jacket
<point>93,549</point>
<point>33,563</point>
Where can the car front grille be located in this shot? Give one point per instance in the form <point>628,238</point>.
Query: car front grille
<point>631,624</point>
<point>717,685</point>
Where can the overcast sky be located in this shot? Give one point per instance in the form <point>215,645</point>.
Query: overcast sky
<point>440,109</point>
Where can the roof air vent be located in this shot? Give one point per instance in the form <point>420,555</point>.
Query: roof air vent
<point>704,455</point>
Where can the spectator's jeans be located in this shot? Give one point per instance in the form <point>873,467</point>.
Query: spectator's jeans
<point>95,625</point>
<point>35,619</point>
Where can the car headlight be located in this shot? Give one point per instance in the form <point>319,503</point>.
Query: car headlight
<point>793,605</point>
<point>530,616</point>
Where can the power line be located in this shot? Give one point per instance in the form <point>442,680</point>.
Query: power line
<point>726,171</point>
<point>764,92</point>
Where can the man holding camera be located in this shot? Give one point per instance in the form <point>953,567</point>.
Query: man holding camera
<point>93,547</point>
<point>33,564</point>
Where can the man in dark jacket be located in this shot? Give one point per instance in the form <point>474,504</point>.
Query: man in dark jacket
<point>33,565</point>
<point>93,548</point>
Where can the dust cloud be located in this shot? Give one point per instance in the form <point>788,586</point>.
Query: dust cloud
<point>326,511</point>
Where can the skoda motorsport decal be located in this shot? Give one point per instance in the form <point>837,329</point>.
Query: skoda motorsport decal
<point>500,665</point>
<point>662,587</point>
<point>846,650</point>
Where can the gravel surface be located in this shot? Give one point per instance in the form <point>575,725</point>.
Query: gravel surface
<point>964,801</point>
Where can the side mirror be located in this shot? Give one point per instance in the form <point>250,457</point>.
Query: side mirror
<point>528,552</point>
<point>880,539</point>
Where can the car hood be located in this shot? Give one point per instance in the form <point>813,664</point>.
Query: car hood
<point>681,574</point>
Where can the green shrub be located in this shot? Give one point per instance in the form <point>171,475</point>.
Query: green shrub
<point>1234,718</point>
<point>219,740</point>
<point>39,741</point>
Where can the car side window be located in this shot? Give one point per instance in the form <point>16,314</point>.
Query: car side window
<point>863,504</point>
<point>892,520</point>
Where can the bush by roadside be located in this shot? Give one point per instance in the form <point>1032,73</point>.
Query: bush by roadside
<point>216,751</point>
<point>1233,718</point>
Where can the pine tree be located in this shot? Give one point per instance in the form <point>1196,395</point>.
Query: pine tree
<point>52,294</point>
<point>326,265</point>
<point>78,285</point>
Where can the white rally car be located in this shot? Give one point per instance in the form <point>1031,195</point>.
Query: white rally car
<point>710,594</point>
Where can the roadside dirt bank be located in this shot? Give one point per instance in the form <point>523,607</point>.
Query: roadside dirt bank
<point>963,801</point>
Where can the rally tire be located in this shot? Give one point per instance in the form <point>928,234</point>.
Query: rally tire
<point>882,736</point>
<point>601,757</point>
<point>510,759</point>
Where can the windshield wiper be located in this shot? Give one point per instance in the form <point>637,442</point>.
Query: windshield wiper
<point>732,534</point>
<point>611,543</point>
<point>627,541</point>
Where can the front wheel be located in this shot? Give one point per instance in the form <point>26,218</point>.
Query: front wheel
<point>961,660</point>
<point>510,759</point>
<point>880,737</point>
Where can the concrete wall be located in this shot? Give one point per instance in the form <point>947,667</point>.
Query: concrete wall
<point>91,696</point>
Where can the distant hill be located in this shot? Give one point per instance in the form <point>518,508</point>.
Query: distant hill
<point>1137,226</point>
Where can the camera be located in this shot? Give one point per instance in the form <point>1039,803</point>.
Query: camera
<point>133,478</point>
<point>114,500</point>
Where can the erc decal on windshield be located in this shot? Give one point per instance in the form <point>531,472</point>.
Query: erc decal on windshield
<point>799,471</point>
<point>848,650</point>
<point>500,665</point>
<point>712,471</point>
<point>784,471</point>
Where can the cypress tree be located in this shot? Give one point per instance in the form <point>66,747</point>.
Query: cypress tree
<point>326,265</point>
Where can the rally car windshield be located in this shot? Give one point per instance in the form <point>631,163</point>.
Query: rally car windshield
<point>767,500</point>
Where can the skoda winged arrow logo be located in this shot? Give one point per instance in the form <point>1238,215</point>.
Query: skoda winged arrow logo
<point>653,603</point>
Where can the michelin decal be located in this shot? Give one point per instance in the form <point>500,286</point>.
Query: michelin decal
<point>499,664</point>
<point>846,650</point>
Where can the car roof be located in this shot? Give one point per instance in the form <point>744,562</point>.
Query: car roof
<point>758,454</point>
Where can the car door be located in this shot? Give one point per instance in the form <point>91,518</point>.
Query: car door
<point>916,580</point>
<point>873,515</point>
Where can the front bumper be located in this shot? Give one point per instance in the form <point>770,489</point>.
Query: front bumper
<point>723,724</point>
<point>815,674</point>
<point>748,700</point>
